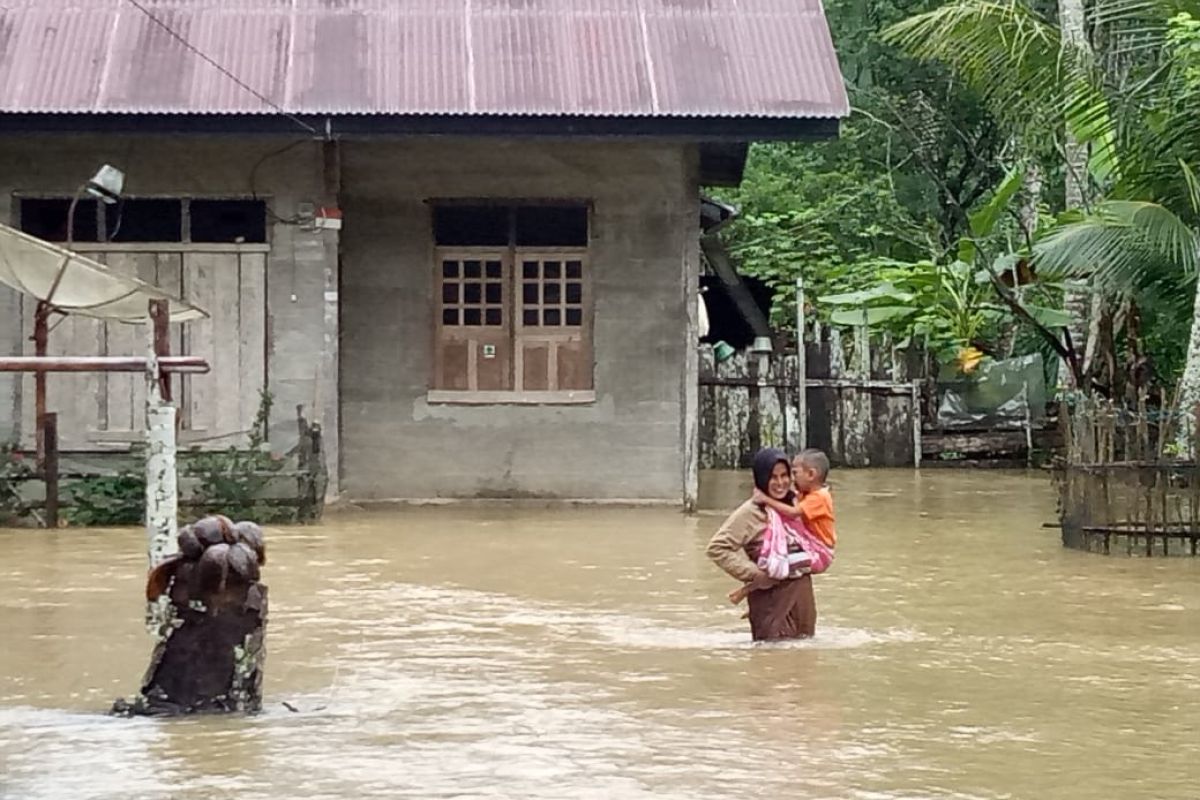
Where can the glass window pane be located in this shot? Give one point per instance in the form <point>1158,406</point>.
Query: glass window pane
<point>552,316</point>
<point>472,316</point>
<point>472,269</point>
<point>574,269</point>
<point>529,269</point>
<point>449,269</point>
<point>470,226</point>
<point>46,218</point>
<point>494,293</point>
<point>494,316</point>
<point>574,317</point>
<point>575,293</point>
<point>494,269</point>
<point>449,293</point>
<point>228,221</point>
<point>529,294</point>
<point>530,318</point>
<point>552,226</point>
<point>450,316</point>
<point>150,220</point>
<point>472,292</point>
<point>552,293</point>
<point>553,270</point>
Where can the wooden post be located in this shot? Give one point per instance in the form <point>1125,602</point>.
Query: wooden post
<point>1028,429</point>
<point>49,426</point>
<point>801,369</point>
<point>162,500</point>
<point>916,424</point>
<point>160,319</point>
<point>41,339</point>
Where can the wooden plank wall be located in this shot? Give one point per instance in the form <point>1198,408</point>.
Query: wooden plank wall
<point>102,411</point>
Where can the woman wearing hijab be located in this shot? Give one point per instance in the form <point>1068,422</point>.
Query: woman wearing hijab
<point>778,609</point>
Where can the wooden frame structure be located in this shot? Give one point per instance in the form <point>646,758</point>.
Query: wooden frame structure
<point>158,366</point>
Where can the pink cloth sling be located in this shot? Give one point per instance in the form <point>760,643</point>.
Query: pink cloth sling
<point>773,554</point>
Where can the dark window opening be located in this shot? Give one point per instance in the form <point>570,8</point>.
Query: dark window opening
<point>46,218</point>
<point>144,220</point>
<point>500,225</point>
<point>552,226</point>
<point>470,226</point>
<point>228,221</point>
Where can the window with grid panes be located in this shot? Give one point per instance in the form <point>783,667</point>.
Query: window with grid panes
<point>513,299</point>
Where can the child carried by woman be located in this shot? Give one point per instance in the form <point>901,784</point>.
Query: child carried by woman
<point>800,537</point>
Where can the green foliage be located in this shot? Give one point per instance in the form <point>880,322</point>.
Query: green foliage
<point>232,481</point>
<point>920,152</point>
<point>108,500</point>
<point>13,466</point>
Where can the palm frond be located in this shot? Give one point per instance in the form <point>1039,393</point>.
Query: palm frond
<point>1126,245</point>
<point>1001,48</point>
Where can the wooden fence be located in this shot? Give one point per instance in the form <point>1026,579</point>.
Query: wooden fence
<point>1120,489</point>
<point>862,402</point>
<point>288,488</point>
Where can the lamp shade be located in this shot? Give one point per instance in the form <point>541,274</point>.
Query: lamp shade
<point>107,184</point>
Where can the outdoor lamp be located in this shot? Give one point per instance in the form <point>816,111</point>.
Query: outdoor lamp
<point>762,345</point>
<point>106,184</point>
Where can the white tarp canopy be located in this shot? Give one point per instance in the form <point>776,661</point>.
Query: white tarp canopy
<point>31,265</point>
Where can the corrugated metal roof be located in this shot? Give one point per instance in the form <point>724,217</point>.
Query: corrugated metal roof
<point>669,58</point>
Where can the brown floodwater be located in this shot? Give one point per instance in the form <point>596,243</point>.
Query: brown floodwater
<point>589,653</point>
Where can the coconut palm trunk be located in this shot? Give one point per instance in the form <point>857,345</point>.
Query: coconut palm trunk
<point>1078,299</point>
<point>1189,387</point>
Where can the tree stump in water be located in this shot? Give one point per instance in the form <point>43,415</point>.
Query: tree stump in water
<point>211,650</point>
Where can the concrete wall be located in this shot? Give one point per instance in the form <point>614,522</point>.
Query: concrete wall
<point>629,443</point>
<point>300,263</point>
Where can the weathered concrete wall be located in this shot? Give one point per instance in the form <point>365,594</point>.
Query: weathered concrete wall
<point>629,442</point>
<point>300,264</point>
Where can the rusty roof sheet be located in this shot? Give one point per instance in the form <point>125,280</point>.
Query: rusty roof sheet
<point>698,58</point>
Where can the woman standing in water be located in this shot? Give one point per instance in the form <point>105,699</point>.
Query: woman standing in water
<point>778,609</point>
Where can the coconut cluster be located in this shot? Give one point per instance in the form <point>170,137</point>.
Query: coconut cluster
<point>218,559</point>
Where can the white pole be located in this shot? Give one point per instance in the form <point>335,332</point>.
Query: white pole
<point>801,369</point>
<point>162,501</point>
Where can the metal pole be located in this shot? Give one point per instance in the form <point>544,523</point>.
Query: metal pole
<point>801,368</point>
<point>171,364</point>
<point>41,336</point>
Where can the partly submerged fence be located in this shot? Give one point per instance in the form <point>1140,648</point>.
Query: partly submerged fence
<point>100,489</point>
<point>862,403</point>
<point>1121,488</point>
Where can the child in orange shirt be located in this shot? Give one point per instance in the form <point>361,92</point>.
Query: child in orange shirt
<point>812,503</point>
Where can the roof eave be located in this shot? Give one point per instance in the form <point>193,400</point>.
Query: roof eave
<point>336,126</point>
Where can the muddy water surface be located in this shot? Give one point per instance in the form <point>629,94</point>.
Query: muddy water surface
<point>590,654</point>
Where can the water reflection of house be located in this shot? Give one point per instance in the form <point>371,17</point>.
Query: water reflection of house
<point>509,309</point>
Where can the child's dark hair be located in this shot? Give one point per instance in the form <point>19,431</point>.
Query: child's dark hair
<point>815,459</point>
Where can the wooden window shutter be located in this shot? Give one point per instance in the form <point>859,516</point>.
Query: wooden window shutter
<point>473,318</point>
<point>553,342</point>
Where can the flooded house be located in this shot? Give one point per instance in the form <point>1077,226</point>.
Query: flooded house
<point>461,234</point>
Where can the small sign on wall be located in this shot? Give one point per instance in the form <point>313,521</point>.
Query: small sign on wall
<point>489,351</point>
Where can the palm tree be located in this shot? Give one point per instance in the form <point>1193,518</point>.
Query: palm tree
<point>1140,111</point>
